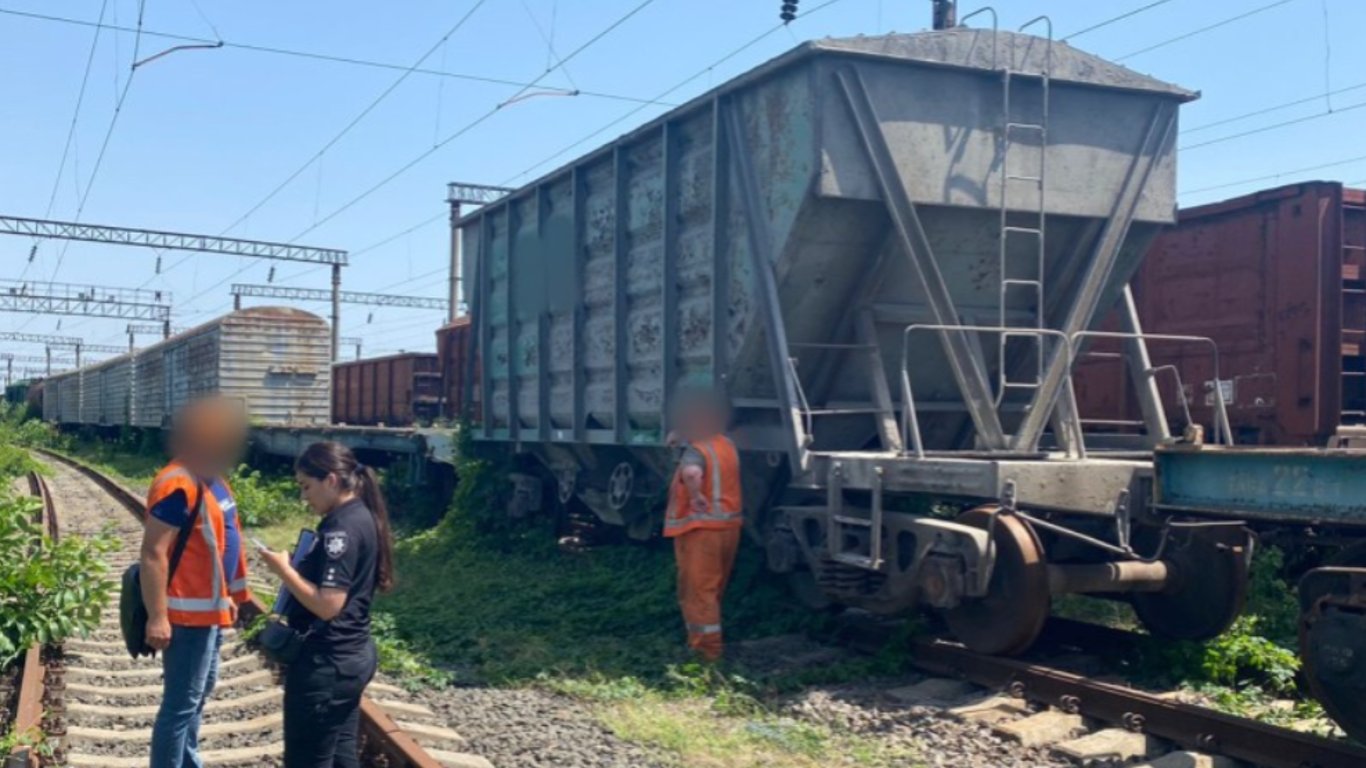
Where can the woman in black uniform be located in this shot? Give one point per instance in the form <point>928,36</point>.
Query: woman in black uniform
<point>332,589</point>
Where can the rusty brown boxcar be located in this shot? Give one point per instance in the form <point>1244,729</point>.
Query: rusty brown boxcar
<point>460,386</point>
<point>1278,280</point>
<point>397,390</point>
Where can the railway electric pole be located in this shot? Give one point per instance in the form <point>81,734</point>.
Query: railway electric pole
<point>352,341</point>
<point>163,329</point>
<point>342,297</point>
<point>182,241</point>
<point>85,300</point>
<point>458,194</point>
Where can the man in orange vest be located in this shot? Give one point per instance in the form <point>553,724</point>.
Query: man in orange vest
<point>704,517</point>
<point>194,570</point>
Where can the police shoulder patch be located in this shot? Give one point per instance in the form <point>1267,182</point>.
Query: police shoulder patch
<point>334,542</point>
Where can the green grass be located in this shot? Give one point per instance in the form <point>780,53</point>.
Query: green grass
<point>507,611</point>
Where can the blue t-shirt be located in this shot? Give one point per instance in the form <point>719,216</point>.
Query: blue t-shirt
<point>174,510</point>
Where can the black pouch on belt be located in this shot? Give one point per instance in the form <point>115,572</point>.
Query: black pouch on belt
<point>280,643</point>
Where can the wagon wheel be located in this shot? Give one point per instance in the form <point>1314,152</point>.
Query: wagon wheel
<point>1333,647</point>
<point>1207,594</point>
<point>621,485</point>
<point>1008,619</point>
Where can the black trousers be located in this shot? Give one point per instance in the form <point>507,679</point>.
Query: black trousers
<point>322,708</point>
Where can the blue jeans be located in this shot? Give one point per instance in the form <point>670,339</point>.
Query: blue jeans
<point>190,670</point>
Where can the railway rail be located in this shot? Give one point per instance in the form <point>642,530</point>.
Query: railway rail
<point>97,706</point>
<point>1117,723</point>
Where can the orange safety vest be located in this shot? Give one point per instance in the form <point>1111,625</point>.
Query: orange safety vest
<point>720,484</point>
<point>198,593</point>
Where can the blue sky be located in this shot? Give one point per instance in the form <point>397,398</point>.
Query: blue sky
<point>205,135</point>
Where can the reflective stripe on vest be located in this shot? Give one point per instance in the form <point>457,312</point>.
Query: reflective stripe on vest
<point>704,629</point>
<point>680,514</point>
<point>219,600</point>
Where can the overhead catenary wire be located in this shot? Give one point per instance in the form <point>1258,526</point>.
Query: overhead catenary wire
<point>718,62</point>
<point>668,91</point>
<point>1275,126</point>
<point>104,147</point>
<point>278,51</point>
<point>1113,20</point>
<point>357,119</point>
<point>382,183</point>
<point>1274,176</point>
<point>1273,108</point>
<point>70,132</point>
<point>1204,29</point>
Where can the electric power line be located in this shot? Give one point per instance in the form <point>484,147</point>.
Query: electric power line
<point>359,117</point>
<point>743,47</point>
<point>1275,126</point>
<point>70,132</point>
<point>1274,108</point>
<point>1274,176</point>
<point>104,145</point>
<point>1202,30</point>
<point>452,137</point>
<point>1112,20</point>
<point>277,51</point>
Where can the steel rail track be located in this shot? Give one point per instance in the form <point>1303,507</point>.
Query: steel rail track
<point>1186,725</point>
<point>32,691</point>
<point>384,741</point>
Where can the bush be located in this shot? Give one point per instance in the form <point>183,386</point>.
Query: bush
<point>56,591</point>
<point>262,500</point>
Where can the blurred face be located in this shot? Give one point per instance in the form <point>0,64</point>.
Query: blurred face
<point>210,436</point>
<point>320,494</point>
<point>697,420</point>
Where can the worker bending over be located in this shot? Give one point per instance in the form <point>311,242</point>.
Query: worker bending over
<point>704,517</point>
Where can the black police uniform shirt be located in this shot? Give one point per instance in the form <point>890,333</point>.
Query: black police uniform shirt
<point>344,556</point>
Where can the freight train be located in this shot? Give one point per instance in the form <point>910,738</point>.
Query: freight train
<point>274,359</point>
<point>889,253</point>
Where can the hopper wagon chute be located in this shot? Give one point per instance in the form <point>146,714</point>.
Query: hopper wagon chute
<point>887,252</point>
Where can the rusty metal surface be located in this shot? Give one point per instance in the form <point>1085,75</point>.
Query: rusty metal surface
<point>1192,727</point>
<point>397,390</point>
<point>459,382</point>
<point>1276,279</point>
<point>385,737</point>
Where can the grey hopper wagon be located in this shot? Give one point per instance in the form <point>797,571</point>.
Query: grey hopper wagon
<point>887,251</point>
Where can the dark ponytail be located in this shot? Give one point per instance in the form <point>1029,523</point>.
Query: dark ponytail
<point>327,458</point>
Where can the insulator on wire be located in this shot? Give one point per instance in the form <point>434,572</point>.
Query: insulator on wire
<point>32,252</point>
<point>789,11</point>
<point>370,318</point>
<point>158,265</point>
<point>270,277</point>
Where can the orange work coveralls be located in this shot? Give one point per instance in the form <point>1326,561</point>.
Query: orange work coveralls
<point>705,542</point>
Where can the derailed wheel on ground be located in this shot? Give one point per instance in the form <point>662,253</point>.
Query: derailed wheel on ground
<point>1333,638</point>
<point>1210,585</point>
<point>1009,618</point>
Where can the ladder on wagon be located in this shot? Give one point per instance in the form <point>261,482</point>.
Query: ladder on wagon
<point>857,539</point>
<point>1023,245</point>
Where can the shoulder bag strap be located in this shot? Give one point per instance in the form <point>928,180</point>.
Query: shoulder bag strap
<point>183,537</point>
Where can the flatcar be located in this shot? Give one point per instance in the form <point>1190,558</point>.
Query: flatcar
<point>275,359</point>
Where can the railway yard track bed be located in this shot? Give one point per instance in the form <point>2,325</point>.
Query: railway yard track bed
<point>108,701</point>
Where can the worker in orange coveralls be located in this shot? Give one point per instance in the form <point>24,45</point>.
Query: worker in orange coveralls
<point>704,517</point>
